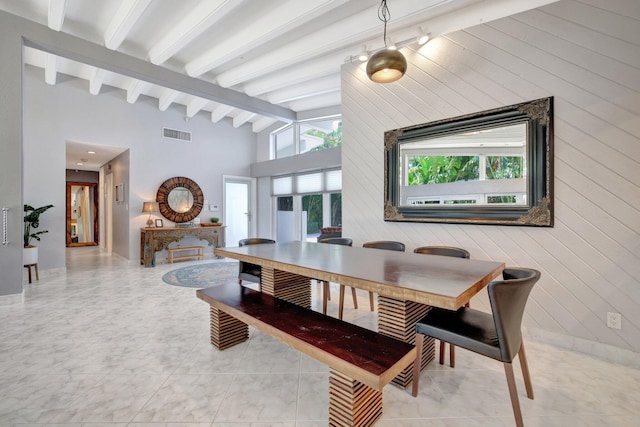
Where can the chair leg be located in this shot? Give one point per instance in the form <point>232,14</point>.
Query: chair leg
<point>452,355</point>
<point>325,296</point>
<point>513,393</point>
<point>29,271</point>
<point>371,300</point>
<point>37,276</point>
<point>355,298</point>
<point>239,281</point>
<point>416,365</point>
<point>341,302</point>
<point>441,352</point>
<point>525,371</point>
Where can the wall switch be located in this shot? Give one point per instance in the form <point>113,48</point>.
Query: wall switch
<point>614,320</point>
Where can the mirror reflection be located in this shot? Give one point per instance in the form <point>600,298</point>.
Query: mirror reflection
<point>489,167</point>
<point>180,199</point>
<point>480,167</point>
<point>82,214</point>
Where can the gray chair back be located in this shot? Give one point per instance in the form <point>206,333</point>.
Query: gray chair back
<point>254,241</point>
<point>443,251</point>
<point>508,298</point>
<point>338,241</point>
<point>389,245</point>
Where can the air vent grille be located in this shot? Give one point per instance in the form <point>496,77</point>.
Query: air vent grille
<point>176,134</point>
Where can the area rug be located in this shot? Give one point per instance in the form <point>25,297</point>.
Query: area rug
<point>203,275</point>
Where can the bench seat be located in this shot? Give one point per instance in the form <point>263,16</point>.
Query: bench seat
<point>361,361</point>
<point>370,357</point>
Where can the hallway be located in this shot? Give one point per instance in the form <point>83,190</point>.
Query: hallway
<point>109,344</point>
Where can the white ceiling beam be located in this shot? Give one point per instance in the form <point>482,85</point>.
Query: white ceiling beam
<point>51,69</point>
<point>202,17</point>
<point>305,90</point>
<point>195,105</point>
<point>261,124</point>
<point>96,80</point>
<point>125,18</point>
<point>167,97</point>
<point>220,112</point>
<point>346,32</point>
<point>283,17</point>
<point>56,14</point>
<point>135,90</point>
<point>327,100</point>
<point>296,74</point>
<point>242,118</point>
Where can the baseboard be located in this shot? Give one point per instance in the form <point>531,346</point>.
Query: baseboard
<point>602,351</point>
<point>6,300</point>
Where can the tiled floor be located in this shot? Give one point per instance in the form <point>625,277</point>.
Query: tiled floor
<point>109,344</point>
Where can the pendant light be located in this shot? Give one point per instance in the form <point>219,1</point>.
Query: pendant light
<point>387,65</point>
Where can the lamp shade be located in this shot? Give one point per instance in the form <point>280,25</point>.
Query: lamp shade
<point>386,66</point>
<point>148,207</point>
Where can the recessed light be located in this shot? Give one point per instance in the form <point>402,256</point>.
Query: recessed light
<point>91,152</point>
<point>79,163</point>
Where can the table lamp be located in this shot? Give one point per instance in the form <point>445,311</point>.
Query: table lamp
<point>150,207</point>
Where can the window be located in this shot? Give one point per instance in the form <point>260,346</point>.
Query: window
<point>303,137</point>
<point>307,202</point>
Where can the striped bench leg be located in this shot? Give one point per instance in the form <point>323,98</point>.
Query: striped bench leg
<point>398,319</point>
<point>226,331</point>
<point>352,403</point>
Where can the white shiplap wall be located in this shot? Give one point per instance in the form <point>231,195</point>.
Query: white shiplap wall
<point>586,54</point>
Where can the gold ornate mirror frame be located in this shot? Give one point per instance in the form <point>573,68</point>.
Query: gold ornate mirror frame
<point>162,197</point>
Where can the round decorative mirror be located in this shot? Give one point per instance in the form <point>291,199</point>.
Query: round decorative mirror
<point>180,199</point>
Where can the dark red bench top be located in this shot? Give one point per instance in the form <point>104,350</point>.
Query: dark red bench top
<point>367,356</point>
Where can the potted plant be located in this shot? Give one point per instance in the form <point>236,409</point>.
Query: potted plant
<point>215,220</point>
<point>31,222</point>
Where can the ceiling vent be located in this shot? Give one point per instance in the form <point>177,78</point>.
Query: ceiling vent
<point>176,134</point>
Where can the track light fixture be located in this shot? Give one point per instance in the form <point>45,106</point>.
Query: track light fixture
<point>387,65</point>
<point>363,55</point>
<point>423,37</point>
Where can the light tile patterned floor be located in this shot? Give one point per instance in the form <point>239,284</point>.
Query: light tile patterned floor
<point>109,344</point>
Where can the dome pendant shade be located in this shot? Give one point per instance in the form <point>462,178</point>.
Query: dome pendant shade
<point>386,66</point>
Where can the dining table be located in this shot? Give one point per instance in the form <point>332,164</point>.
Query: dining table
<point>407,284</point>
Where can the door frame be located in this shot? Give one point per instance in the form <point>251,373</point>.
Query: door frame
<point>253,204</point>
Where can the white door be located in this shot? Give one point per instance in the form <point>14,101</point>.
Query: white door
<point>238,208</point>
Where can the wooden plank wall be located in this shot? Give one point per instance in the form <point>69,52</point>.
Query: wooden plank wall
<point>587,55</point>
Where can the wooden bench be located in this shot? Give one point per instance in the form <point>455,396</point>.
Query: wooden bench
<point>172,251</point>
<point>361,361</point>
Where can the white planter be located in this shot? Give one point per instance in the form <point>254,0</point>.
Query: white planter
<point>30,255</point>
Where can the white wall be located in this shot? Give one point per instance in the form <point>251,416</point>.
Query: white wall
<point>587,55</point>
<point>66,111</point>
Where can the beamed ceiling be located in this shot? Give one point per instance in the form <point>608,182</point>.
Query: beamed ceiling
<point>284,53</point>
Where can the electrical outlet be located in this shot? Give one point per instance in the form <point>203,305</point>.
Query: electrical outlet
<point>614,320</point>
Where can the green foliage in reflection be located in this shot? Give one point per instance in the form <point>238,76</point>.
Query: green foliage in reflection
<point>504,167</point>
<point>330,140</point>
<point>336,209</point>
<point>442,169</point>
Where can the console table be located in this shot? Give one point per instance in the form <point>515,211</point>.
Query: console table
<point>153,240</point>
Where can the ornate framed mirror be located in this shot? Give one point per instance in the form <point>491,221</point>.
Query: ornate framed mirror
<point>180,199</point>
<point>491,167</point>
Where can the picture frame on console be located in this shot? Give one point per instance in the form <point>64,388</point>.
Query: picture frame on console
<point>159,223</point>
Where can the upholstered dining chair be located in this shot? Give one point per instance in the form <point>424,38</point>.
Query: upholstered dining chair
<point>326,295</point>
<point>451,251</point>
<point>389,245</point>
<point>496,335</point>
<point>247,271</point>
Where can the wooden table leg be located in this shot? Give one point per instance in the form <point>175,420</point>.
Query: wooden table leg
<point>398,319</point>
<point>352,403</point>
<point>287,286</point>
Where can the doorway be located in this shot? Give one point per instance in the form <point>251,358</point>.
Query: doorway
<point>82,214</point>
<point>238,208</point>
